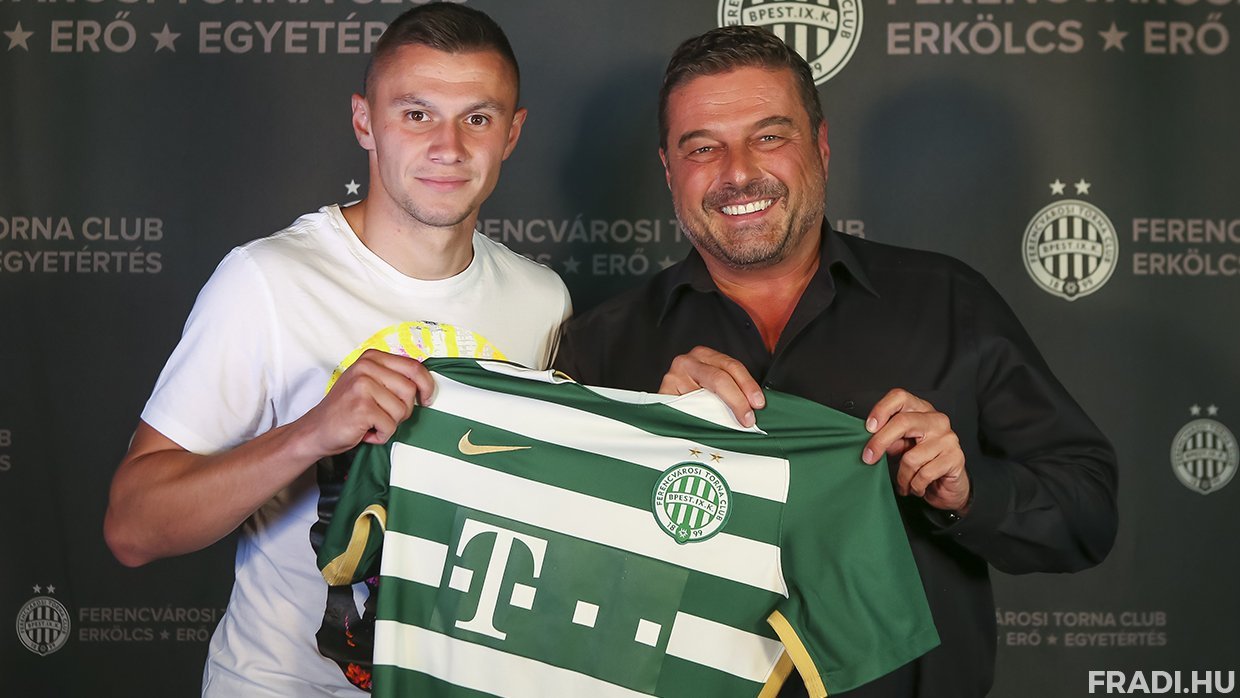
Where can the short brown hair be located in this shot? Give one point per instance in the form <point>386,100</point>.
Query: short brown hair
<point>446,27</point>
<point>728,48</point>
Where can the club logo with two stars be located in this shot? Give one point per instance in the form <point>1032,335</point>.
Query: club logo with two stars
<point>691,500</point>
<point>1204,454</point>
<point>1070,246</point>
<point>43,623</point>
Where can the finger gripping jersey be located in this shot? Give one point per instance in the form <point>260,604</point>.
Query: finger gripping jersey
<point>541,538</point>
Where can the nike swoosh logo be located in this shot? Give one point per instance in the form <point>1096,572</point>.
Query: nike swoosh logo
<point>471,449</point>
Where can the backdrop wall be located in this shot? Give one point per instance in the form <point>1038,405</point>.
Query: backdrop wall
<point>1080,153</point>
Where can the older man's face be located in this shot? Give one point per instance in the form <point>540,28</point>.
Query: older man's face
<point>748,178</point>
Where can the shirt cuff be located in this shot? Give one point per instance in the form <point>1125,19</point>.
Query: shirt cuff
<point>990,495</point>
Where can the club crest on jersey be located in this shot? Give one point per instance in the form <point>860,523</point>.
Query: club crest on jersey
<point>1204,454</point>
<point>824,32</point>
<point>691,502</point>
<point>1070,246</point>
<point>43,625</point>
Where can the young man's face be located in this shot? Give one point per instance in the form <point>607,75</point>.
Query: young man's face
<point>748,178</point>
<point>437,126</point>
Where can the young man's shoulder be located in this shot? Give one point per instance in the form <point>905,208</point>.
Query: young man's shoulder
<point>309,233</point>
<point>516,270</point>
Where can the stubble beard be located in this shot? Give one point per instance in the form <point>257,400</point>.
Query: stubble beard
<point>434,219</point>
<point>745,248</point>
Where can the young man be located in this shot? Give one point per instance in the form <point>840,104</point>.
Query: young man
<point>994,461</point>
<point>239,416</point>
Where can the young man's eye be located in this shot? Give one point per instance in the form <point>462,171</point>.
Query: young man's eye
<point>478,120</point>
<point>416,116</point>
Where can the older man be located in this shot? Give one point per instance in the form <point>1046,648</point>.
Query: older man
<point>993,461</point>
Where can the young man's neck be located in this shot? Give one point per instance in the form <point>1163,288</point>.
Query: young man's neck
<point>411,247</point>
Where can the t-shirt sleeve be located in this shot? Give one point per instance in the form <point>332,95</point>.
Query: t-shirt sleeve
<point>856,608</point>
<point>553,343</point>
<point>352,544</point>
<point>216,391</point>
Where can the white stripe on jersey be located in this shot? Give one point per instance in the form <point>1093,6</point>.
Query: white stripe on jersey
<point>482,668</point>
<point>731,557</point>
<point>759,476</point>
<point>412,558</point>
<point>723,647</point>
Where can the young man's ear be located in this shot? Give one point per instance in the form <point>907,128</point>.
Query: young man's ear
<point>361,123</point>
<point>514,131</point>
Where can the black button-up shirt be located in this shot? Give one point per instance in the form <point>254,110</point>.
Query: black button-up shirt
<point>876,317</point>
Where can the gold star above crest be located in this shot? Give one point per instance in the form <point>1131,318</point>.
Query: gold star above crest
<point>696,453</point>
<point>715,458</point>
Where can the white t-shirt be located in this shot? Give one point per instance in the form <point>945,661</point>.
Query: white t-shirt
<point>268,328</point>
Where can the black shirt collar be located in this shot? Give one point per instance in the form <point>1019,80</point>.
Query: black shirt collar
<point>837,260</point>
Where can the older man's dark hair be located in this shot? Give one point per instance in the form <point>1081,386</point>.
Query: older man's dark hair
<point>738,46</point>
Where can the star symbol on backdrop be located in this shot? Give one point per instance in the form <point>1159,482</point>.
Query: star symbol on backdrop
<point>1082,187</point>
<point>1057,186</point>
<point>570,265</point>
<point>352,188</point>
<point>666,262</point>
<point>18,37</point>
<point>1195,410</point>
<point>1212,410</point>
<point>38,589</point>
<point>1113,38</point>
<point>165,39</point>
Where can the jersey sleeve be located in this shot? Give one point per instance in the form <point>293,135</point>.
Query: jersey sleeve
<point>351,546</point>
<point>856,608</point>
<point>215,391</point>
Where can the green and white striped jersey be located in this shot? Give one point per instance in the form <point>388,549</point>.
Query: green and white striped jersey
<point>542,538</point>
